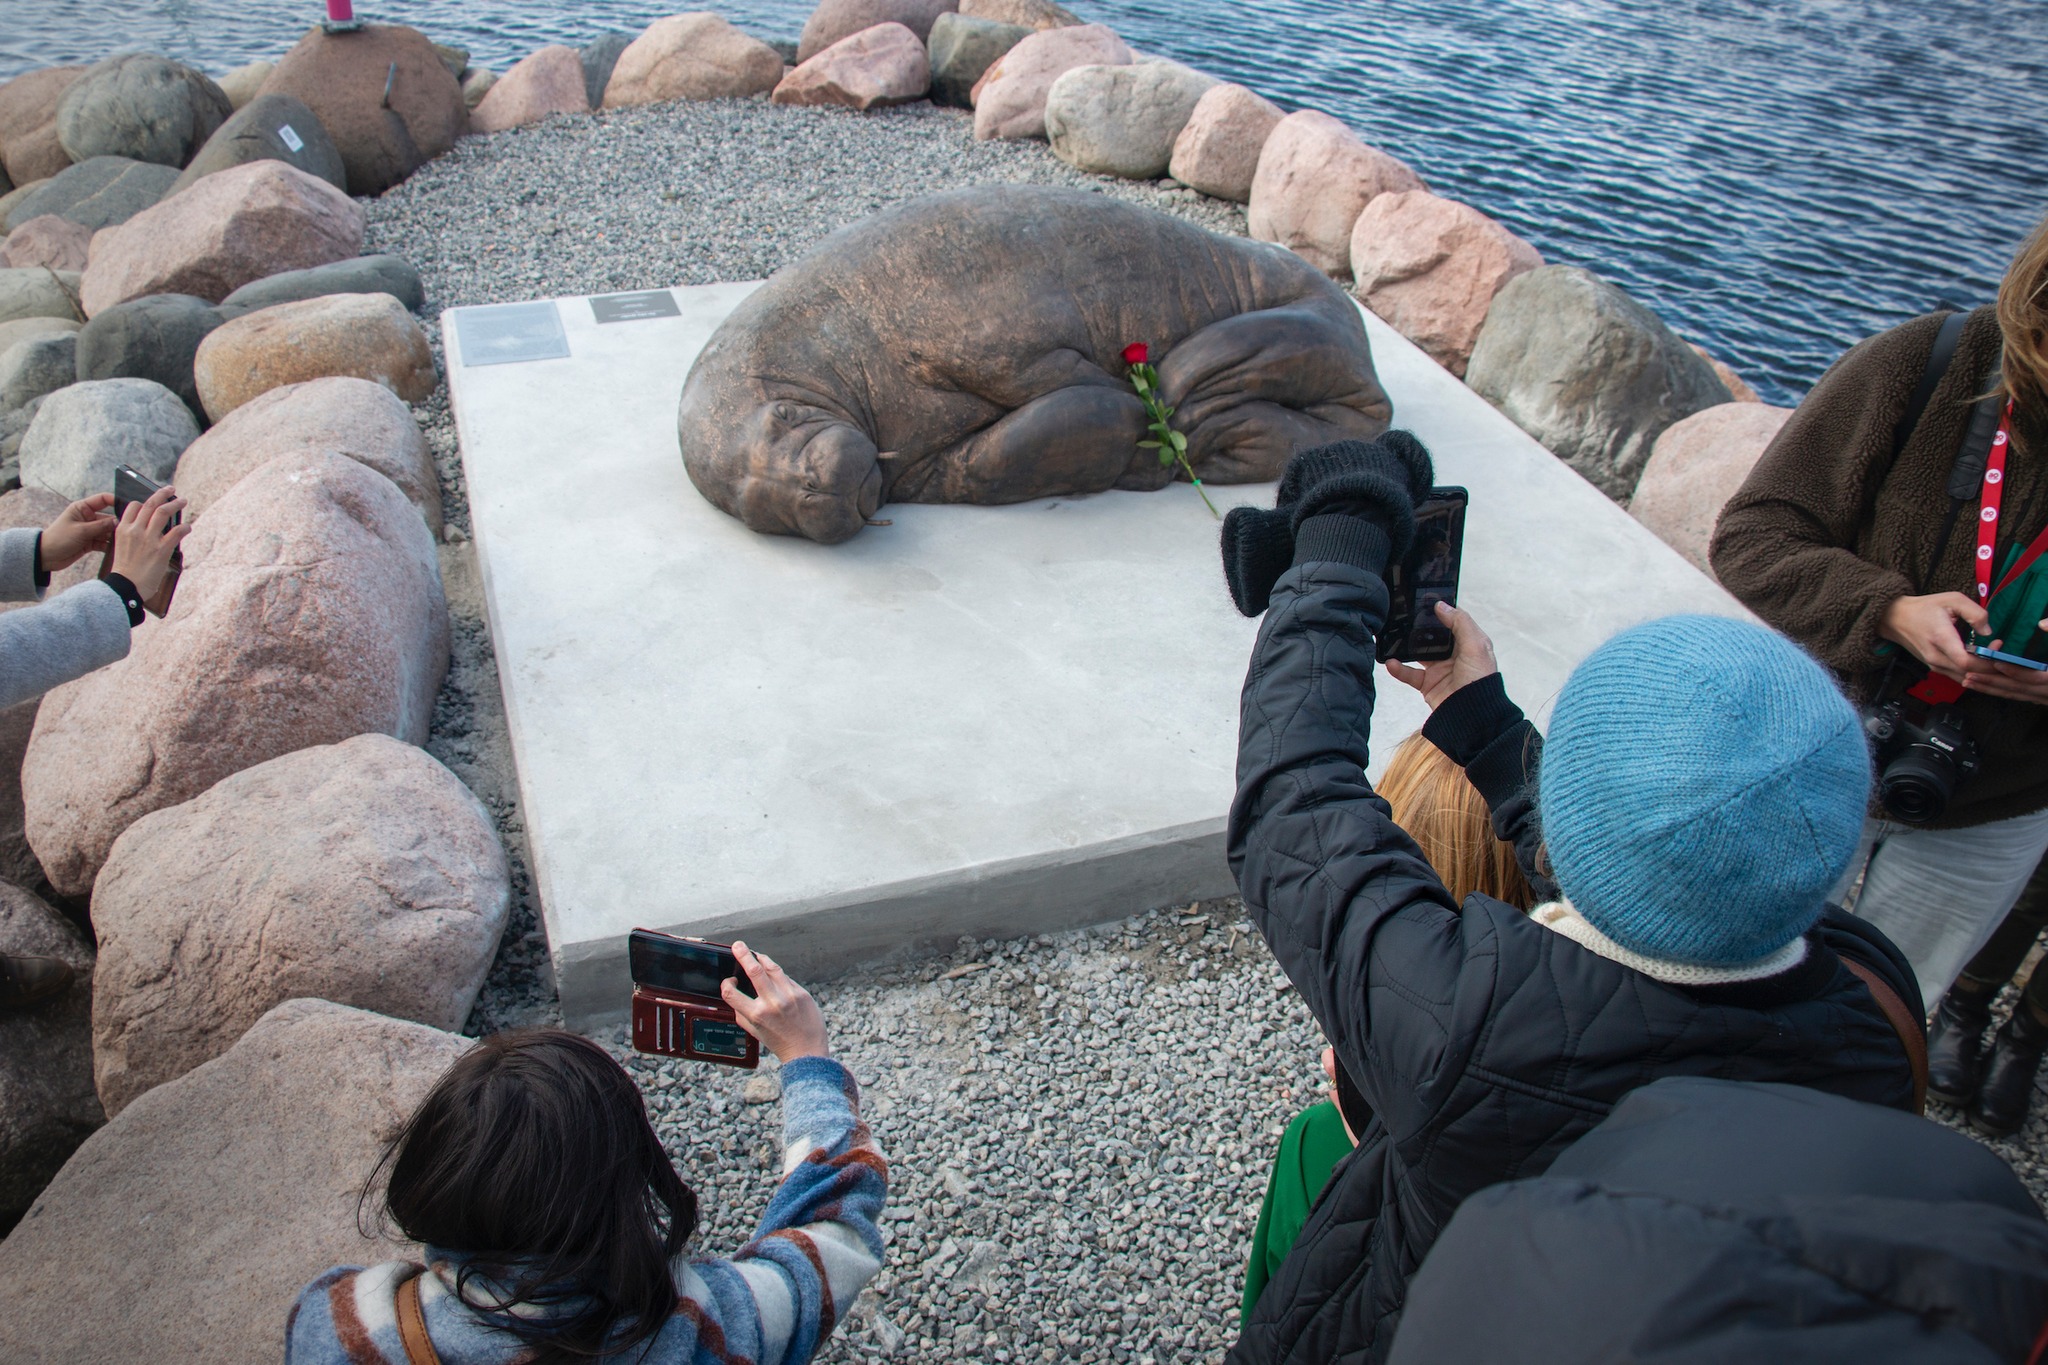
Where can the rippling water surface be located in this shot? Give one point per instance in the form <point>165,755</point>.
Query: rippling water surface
<point>1776,177</point>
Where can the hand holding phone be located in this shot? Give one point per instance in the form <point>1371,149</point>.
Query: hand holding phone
<point>143,547</point>
<point>780,1013</point>
<point>1414,631</point>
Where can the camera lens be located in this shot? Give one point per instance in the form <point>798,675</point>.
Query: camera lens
<point>1916,786</point>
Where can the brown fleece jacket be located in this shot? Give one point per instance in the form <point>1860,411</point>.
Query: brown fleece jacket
<point>1820,539</point>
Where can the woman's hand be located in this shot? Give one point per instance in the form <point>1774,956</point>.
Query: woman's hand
<point>146,540</point>
<point>780,1013</point>
<point>1471,659</point>
<point>80,528</point>
<point>1925,627</point>
<point>2008,680</point>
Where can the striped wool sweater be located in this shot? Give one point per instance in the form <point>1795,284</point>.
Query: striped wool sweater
<point>773,1303</point>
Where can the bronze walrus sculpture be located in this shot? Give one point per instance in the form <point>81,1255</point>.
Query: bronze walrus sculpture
<point>967,347</point>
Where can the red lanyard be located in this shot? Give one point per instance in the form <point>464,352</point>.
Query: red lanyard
<point>1987,517</point>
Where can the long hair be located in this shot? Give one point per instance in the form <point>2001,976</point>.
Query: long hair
<point>1447,817</point>
<point>2023,324</point>
<point>533,1157</point>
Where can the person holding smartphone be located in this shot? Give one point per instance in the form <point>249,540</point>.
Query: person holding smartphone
<point>74,633</point>
<point>1682,869</point>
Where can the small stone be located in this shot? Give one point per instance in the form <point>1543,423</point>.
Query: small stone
<point>1695,467</point>
<point>548,82</point>
<point>310,611</point>
<point>834,21</point>
<point>1009,99</point>
<point>49,241</point>
<point>30,369</point>
<point>599,56</point>
<point>143,107</point>
<point>1742,392</point>
<point>29,149</point>
<point>476,85</point>
<point>82,433</point>
<point>342,78</point>
<point>1217,152</point>
<point>154,337</point>
<point>692,57</point>
<point>763,1087</point>
<point>882,65</point>
<point>241,84</point>
<point>270,128</point>
<point>955,1182</point>
<point>456,59</point>
<point>960,50</point>
<point>1431,267</point>
<point>1314,178</point>
<point>369,336</point>
<point>100,193</point>
<point>393,275</point>
<point>1031,14</point>
<point>1122,120</point>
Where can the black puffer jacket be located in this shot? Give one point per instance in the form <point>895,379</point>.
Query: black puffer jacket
<point>1722,1223</point>
<point>1484,1042</point>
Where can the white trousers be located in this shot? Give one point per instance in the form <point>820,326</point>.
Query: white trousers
<point>1941,893</point>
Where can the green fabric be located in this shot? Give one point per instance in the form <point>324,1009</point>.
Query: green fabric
<point>2016,608</point>
<point>1309,1150</point>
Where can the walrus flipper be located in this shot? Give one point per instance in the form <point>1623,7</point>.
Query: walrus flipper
<point>1078,439</point>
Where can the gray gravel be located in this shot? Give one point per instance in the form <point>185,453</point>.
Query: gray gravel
<point>1079,1126</point>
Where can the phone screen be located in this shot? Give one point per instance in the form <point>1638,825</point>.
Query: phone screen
<point>716,1038</point>
<point>131,486</point>
<point>681,965</point>
<point>1429,576</point>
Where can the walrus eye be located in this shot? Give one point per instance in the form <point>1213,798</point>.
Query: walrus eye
<point>785,414</point>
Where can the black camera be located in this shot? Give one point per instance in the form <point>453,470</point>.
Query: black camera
<point>1918,765</point>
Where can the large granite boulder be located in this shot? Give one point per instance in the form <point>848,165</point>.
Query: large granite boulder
<point>1695,467</point>
<point>245,82</point>
<point>310,611</point>
<point>228,229</point>
<point>153,337</point>
<point>340,416</point>
<point>342,78</point>
<point>48,241</point>
<point>1217,151</point>
<point>214,1200</point>
<point>1002,378</point>
<point>1122,120</point>
<point>960,50</point>
<point>13,197</point>
<point>83,433</point>
<point>550,81</point>
<point>1431,267</point>
<point>143,107</point>
<point>836,20</point>
<point>45,1054</point>
<point>369,336</point>
<point>35,292</point>
<point>1314,178</point>
<point>1031,14</point>
<point>363,873</point>
<point>692,57</point>
<point>100,193</point>
<point>29,369</point>
<point>391,275</point>
<point>29,149</point>
<point>269,128</point>
<point>12,334</point>
<point>599,56</point>
<point>885,64</point>
<point>1009,100</point>
<point>1588,371</point>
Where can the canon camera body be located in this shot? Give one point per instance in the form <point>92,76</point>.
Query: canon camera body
<point>1919,763</point>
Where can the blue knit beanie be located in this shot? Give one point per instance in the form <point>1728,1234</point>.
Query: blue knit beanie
<point>1703,789</point>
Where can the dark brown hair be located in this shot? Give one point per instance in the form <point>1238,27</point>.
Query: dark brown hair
<point>532,1157</point>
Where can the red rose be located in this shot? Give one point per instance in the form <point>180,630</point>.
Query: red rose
<point>1136,353</point>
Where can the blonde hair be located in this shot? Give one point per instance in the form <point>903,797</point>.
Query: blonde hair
<point>2023,323</point>
<point>1447,817</point>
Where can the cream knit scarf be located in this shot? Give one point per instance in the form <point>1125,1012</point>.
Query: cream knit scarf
<point>1560,917</point>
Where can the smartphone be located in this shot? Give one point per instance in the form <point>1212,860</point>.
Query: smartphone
<point>683,966</point>
<point>131,486</point>
<point>1985,652</point>
<point>1428,575</point>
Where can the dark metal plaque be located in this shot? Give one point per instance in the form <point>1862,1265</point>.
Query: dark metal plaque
<point>651,303</point>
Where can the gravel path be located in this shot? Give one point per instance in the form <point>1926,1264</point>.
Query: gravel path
<point>1079,1126</point>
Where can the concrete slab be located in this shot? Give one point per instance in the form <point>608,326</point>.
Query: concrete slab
<point>973,720</point>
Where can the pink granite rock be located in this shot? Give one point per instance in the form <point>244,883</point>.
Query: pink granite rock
<point>548,82</point>
<point>341,414</point>
<point>235,1185</point>
<point>51,241</point>
<point>222,232</point>
<point>1431,266</point>
<point>1218,151</point>
<point>835,20</point>
<point>1033,14</point>
<point>692,57</point>
<point>367,336</point>
<point>1314,178</point>
<point>1009,99</point>
<point>885,64</point>
<point>363,873</point>
<point>310,611</point>
<point>384,95</point>
<point>1742,391</point>
<point>1695,467</point>
<point>29,150</point>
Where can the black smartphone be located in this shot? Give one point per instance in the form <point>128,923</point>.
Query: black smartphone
<point>132,485</point>
<point>683,966</point>
<point>1428,575</point>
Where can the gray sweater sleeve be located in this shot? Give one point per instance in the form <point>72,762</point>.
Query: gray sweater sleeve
<point>18,565</point>
<point>45,646</point>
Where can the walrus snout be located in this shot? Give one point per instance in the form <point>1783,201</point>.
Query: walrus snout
<point>825,492</point>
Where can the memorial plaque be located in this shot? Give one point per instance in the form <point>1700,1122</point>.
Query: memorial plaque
<point>509,333</point>
<point>651,303</point>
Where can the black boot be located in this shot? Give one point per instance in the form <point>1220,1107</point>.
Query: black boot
<point>1955,1046</point>
<point>2009,1075</point>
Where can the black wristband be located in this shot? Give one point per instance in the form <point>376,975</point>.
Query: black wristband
<point>1343,539</point>
<point>130,598</point>
<point>1471,718</point>
<point>42,575</point>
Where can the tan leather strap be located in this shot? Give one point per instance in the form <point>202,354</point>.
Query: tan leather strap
<point>1912,1032</point>
<point>412,1324</point>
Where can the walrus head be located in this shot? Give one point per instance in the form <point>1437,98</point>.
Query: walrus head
<point>804,472</point>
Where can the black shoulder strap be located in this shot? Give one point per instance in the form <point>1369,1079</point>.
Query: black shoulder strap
<point>1944,351</point>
